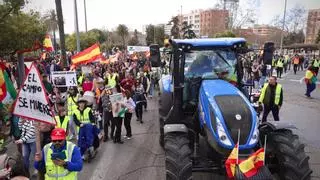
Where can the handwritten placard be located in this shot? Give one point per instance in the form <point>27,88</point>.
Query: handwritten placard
<point>32,102</point>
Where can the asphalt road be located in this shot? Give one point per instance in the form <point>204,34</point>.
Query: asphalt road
<point>141,158</point>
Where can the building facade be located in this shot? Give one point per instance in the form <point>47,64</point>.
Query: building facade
<point>193,18</point>
<point>265,30</point>
<point>313,26</point>
<point>213,21</point>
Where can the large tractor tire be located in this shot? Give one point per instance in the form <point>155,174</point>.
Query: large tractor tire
<point>289,155</point>
<point>178,153</point>
<point>165,104</point>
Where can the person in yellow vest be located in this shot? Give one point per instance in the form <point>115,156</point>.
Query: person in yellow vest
<point>316,65</point>
<point>62,119</point>
<point>271,97</point>
<point>72,99</point>
<point>279,67</point>
<point>112,79</point>
<point>83,114</point>
<point>59,159</point>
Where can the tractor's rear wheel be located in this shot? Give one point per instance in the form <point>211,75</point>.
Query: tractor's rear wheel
<point>289,155</point>
<point>178,161</point>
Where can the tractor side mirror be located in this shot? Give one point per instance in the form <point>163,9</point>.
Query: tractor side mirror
<point>155,55</point>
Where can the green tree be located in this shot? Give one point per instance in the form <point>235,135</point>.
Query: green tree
<point>9,7</point>
<point>61,32</point>
<point>123,32</point>
<point>159,35</point>
<point>318,37</point>
<point>135,39</point>
<point>20,31</point>
<point>86,39</point>
<point>175,30</point>
<point>225,34</point>
<point>294,37</point>
<point>50,20</point>
<point>187,31</point>
<point>150,31</point>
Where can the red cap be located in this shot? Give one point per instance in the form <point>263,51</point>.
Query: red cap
<point>58,134</point>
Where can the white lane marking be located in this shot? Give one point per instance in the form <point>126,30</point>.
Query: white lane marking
<point>301,80</point>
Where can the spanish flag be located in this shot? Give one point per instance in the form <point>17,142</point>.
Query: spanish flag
<point>231,162</point>
<point>47,44</point>
<point>86,56</point>
<point>147,54</point>
<point>251,166</point>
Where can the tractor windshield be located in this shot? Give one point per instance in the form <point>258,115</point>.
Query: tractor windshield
<point>209,64</point>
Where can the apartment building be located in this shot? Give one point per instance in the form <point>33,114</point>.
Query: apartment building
<point>213,21</point>
<point>313,26</point>
<point>193,18</point>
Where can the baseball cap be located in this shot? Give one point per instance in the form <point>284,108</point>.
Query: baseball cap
<point>58,134</point>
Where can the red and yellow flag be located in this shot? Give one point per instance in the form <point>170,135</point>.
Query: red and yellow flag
<point>47,44</point>
<point>3,89</point>
<point>251,166</point>
<point>231,162</point>
<point>86,56</point>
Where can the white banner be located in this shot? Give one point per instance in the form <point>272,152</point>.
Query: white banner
<point>132,49</point>
<point>64,78</point>
<point>32,102</point>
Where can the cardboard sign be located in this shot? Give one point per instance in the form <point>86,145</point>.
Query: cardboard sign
<point>86,69</point>
<point>64,78</point>
<point>116,101</point>
<point>32,102</point>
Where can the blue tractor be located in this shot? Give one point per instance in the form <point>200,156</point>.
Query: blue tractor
<point>204,97</point>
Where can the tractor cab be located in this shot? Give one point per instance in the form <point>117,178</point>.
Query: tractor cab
<point>203,98</point>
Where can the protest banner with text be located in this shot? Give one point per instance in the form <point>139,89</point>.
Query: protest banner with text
<point>32,102</point>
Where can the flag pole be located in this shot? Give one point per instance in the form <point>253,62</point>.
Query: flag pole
<point>238,146</point>
<point>265,147</point>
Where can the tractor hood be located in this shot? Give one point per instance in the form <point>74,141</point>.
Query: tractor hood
<point>219,87</point>
<point>225,110</point>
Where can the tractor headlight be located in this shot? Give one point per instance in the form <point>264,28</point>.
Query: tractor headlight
<point>222,133</point>
<point>255,135</point>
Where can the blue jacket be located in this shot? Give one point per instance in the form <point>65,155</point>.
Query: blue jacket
<point>75,164</point>
<point>87,134</point>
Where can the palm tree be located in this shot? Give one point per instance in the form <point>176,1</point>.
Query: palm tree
<point>50,19</point>
<point>123,32</point>
<point>61,32</point>
<point>175,30</point>
<point>187,31</point>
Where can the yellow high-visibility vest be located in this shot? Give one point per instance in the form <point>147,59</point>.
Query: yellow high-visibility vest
<point>84,117</point>
<point>64,124</point>
<point>112,80</point>
<point>277,95</point>
<point>316,63</point>
<point>280,64</point>
<point>72,105</point>
<point>54,172</point>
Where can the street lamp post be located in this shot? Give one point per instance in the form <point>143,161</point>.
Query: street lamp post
<point>85,15</point>
<point>76,25</point>
<point>283,25</point>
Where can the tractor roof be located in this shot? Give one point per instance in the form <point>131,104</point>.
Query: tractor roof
<point>211,42</point>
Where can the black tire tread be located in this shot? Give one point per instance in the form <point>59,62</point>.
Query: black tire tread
<point>294,163</point>
<point>178,153</point>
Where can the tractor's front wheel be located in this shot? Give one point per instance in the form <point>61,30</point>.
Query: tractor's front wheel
<point>177,152</point>
<point>287,153</point>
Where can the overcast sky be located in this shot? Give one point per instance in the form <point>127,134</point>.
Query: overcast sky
<point>136,13</point>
